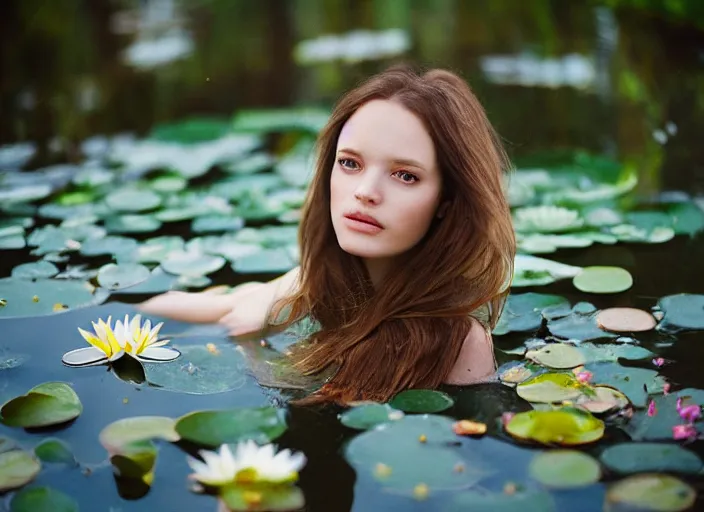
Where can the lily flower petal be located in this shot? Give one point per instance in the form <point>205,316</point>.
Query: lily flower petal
<point>87,356</point>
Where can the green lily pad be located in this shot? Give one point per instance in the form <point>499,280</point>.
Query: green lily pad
<point>601,399</point>
<point>133,200</point>
<point>557,355</point>
<point>121,433</point>
<point>168,183</point>
<point>193,130</point>
<point>565,469</point>
<point>613,352</point>
<point>567,426</point>
<point>192,264</point>
<point>522,312</point>
<point>659,426</point>
<point>367,416</point>
<point>603,280</point>
<point>11,242</point>
<point>109,245</point>
<point>415,449</point>
<point>157,249</point>
<point>157,282</point>
<point>217,223</point>
<point>652,491</point>
<point>630,233</point>
<point>687,218</point>
<point>272,499</point>
<point>47,404</point>
<point>200,371</point>
<point>421,401</point>
<point>524,499</point>
<point>24,194</point>
<point>578,324</point>
<point>136,461</point>
<point>115,276</point>
<point>252,164</point>
<point>265,261</point>
<point>213,428</point>
<point>280,120</point>
<point>546,219</point>
<point>54,451</point>
<point>549,388</point>
<point>535,271</point>
<point>633,382</point>
<point>132,224</point>
<point>42,499</point>
<point>35,270</point>
<point>17,468</point>
<point>683,311</point>
<point>650,457</point>
<point>25,298</point>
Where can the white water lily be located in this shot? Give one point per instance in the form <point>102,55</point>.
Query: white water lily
<point>250,464</point>
<point>546,219</point>
<point>133,338</point>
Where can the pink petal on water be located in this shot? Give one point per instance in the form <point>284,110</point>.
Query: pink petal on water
<point>680,432</point>
<point>690,413</point>
<point>585,376</point>
<point>658,361</point>
<point>506,417</point>
<point>652,410</point>
<point>666,388</point>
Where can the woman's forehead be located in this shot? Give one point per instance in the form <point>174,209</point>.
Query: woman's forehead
<point>387,130</point>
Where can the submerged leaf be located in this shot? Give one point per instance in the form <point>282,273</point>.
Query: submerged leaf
<point>42,499</point>
<point>652,491</point>
<point>642,457</point>
<point>565,469</point>
<point>17,468</point>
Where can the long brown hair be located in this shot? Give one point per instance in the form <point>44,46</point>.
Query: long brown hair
<point>407,333</point>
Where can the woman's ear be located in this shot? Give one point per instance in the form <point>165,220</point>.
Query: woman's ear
<point>442,209</point>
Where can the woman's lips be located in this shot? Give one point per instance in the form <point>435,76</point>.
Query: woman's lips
<point>361,224</point>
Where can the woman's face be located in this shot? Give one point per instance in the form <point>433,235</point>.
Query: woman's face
<point>385,186</point>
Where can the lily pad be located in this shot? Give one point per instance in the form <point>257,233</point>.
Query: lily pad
<point>25,298</point>
<point>127,431</point>
<point>192,264</point>
<point>11,242</point>
<point>651,457</point>
<point>522,312</point>
<point>123,275</point>
<point>565,469</point>
<point>535,271</point>
<point>42,499</point>
<point>613,352</point>
<point>217,223</point>
<point>635,383</point>
<point>133,200</point>
<point>157,249</point>
<point>54,451</point>
<point>110,245</point>
<point>579,324</point>
<point>35,270</point>
<point>687,218</point>
<point>416,449</point>
<point>200,370</point>
<point>546,219</point>
<point>683,311</point>
<point>213,428</point>
<point>157,282</point>
<point>557,355</point>
<point>364,417</point>
<point>265,261</point>
<point>47,404</point>
<point>275,499</point>
<point>602,399</point>
<point>652,491</point>
<point>659,426</point>
<point>421,401</point>
<point>567,426</point>
<point>136,462</point>
<point>550,387</point>
<point>625,320</point>
<point>603,280</point>
<point>525,499</point>
<point>132,224</point>
<point>17,468</point>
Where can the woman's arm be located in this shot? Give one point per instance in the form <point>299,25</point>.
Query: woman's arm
<point>242,311</point>
<point>476,361</point>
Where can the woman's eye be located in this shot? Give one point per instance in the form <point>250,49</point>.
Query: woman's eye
<point>407,177</point>
<point>347,163</point>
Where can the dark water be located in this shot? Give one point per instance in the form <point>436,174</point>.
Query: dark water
<point>64,78</point>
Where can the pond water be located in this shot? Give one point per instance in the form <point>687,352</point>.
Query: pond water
<point>175,139</point>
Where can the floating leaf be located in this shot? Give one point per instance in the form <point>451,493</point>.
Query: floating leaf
<point>602,399</point>
<point>217,223</point>
<point>534,271</point>
<point>213,428</point>
<point>35,298</point>
<point>683,311</point>
<point>404,453</point>
<point>192,264</point>
<point>557,355</point>
<point>566,426</point>
<point>687,218</point>
<point>42,499</point>
<point>200,371</point>
<point>133,200</point>
<point>366,416</point>
<point>578,324</point>
<point>613,352</point>
<point>280,120</point>
<point>121,433</point>
<point>136,461</point>
<point>132,224</point>
<point>47,404</point>
<point>265,261</point>
<point>123,275</point>
<point>55,451</point>
<point>110,245</point>
<point>35,270</point>
<point>522,312</point>
<point>603,280</point>
<point>633,382</point>
<point>625,320</point>
<point>565,469</point>
<point>546,219</point>
<point>650,457</point>
<point>12,242</point>
<point>659,427</point>
<point>523,498</point>
<point>549,388</point>
<point>421,401</point>
<point>661,493</point>
<point>17,468</point>
<point>266,499</point>
<point>157,282</point>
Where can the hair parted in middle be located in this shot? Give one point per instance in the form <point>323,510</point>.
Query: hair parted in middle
<point>408,332</point>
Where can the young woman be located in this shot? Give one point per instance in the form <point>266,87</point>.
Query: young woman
<point>406,243</point>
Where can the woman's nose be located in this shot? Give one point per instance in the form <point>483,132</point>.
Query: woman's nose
<point>367,191</point>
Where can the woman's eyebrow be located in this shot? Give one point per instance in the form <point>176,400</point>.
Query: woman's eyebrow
<point>399,161</point>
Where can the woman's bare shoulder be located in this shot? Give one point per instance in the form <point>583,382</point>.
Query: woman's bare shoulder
<point>476,361</point>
